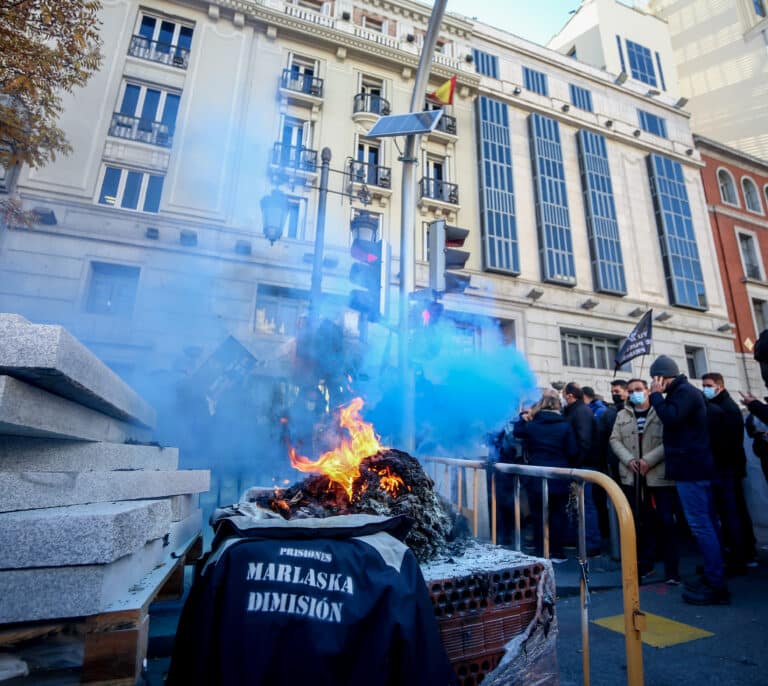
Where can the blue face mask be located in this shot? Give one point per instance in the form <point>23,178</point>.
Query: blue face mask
<point>709,392</point>
<point>637,398</point>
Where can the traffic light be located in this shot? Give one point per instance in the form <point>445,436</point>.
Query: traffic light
<point>423,312</point>
<point>445,257</point>
<point>367,273</point>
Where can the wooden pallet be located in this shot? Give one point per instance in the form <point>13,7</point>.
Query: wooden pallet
<point>115,641</point>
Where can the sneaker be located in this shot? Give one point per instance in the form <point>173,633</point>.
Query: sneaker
<point>673,581</point>
<point>696,584</point>
<point>647,577</point>
<point>707,595</point>
<point>558,560</point>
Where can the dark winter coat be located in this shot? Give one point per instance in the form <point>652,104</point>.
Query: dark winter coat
<point>326,602</point>
<point>584,426</point>
<point>549,441</point>
<point>683,413</point>
<point>598,407</point>
<point>726,435</point>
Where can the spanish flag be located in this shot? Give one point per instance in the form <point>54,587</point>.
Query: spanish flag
<point>444,94</point>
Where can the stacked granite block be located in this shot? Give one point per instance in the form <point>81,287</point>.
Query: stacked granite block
<point>88,507</point>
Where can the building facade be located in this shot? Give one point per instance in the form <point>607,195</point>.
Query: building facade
<point>736,189</point>
<point>581,192</point>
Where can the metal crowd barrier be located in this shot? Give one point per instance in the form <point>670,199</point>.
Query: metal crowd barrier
<point>634,618</point>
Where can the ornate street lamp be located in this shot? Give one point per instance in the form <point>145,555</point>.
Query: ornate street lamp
<point>274,212</point>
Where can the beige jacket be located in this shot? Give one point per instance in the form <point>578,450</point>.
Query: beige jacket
<point>625,445</point>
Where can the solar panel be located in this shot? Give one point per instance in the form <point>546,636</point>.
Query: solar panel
<point>405,124</point>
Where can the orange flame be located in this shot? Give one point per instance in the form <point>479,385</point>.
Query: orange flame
<point>390,482</point>
<point>342,465</point>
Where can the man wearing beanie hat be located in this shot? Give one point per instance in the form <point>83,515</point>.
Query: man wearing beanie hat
<point>689,461</point>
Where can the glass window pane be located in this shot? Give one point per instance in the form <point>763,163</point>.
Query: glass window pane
<point>147,28</point>
<point>154,191</point>
<point>109,185</point>
<point>170,111</point>
<point>149,110</point>
<point>130,199</point>
<point>185,38</point>
<point>130,100</point>
<point>165,37</point>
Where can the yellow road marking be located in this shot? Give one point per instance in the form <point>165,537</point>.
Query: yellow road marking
<point>661,633</point>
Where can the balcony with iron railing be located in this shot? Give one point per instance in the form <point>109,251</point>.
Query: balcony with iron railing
<point>436,189</point>
<point>155,51</point>
<point>141,130</point>
<point>302,84</point>
<point>294,158</point>
<point>369,174</point>
<point>369,104</point>
<point>446,127</point>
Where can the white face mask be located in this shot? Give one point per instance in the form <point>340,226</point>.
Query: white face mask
<point>637,397</point>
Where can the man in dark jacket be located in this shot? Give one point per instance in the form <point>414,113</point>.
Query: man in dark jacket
<point>688,457</point>
<point>584,426</point>
<point>726,433</point>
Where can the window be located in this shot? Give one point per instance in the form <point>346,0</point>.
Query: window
<point>749,256</point>
<point>112,289</point>
<point>571,53</point>
<point>370,98</point>
<point>727,187</point>
<point>368,160</point>
<point>497,196</point>
<point>751,195</point>
<point>7,177</point>
<point>581,98</point>
<point>279,310</point>
<point>486,64</point>
<point>535,81</point>
<point>302,76</point>
<point>130,189</point>
<point>760,311</point>
<point>603,229</point>
<point>695,361</point>
<point>679,251</point>
<point>161,40</point>
<point>661,73</point>
<point>145,114</point>
<point>652,124</point>
<point>641,63</point>
<point>295,217</point>
<point>372,24</point>
<point>588,350</point>
<point>759,7</point>
<point>555,248</point>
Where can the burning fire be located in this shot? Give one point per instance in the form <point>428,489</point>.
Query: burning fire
<point>342,464</point>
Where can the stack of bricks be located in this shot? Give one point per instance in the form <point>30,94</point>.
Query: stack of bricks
<point>90,510</point>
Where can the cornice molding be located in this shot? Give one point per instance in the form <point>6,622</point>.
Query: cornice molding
<point>742,217</point>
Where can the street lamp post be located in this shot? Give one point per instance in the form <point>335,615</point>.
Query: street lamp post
<point>274,211</point>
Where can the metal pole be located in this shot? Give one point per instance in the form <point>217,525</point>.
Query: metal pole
<point>583,589</point>
<point>408,228</point>
<point>315,292</point>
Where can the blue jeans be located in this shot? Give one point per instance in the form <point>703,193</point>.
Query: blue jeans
<point>696,499</point>
<point>591,523</point>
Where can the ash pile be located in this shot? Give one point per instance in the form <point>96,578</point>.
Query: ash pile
<point>389,483</point>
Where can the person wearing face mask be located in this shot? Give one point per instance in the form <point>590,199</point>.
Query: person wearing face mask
<point>726,434</point>
<point>688,457</point>
<point>619,396</point>
<point>637,442</point>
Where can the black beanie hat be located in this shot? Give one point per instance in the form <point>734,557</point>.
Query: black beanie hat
<point>664,366</point>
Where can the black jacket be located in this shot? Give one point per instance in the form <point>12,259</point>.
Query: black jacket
<point>683,413</point>
<point>313,601</point>
<point>549,441</point>
<point>726,435</point>
<point>584,426</point>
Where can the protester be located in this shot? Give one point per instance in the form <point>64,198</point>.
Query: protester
<point>758,432</point>
<point>594,403</point>
<point>619,396</point>
<point>548,441</point>
<point>726,433</point>
<point>636,440</point>
<point>584,427</point>
<point>689,463</point>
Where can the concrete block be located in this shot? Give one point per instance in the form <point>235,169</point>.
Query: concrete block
<point>181,532</point>
<point>80,534</point>
<point>183,505</point>
<point>30,411</point>
<point>22,454</point>
<point>49,357</point>
<point>31,490</point>
<point>55,592</point>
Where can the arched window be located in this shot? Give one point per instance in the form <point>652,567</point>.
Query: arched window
<point>751,195</point>
<point>727,187</point>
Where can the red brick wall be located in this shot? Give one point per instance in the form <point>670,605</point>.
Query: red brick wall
<point>724,220</point>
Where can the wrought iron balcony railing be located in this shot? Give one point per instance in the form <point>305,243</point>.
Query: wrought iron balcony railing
<point>370,174</point>
<point>437,189</point>
<point>367,102</point>
<point>294,156</point>
<point>302,83</point>
<point>143,130</point>
<point>158,52</point>
<point>447,124</point>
